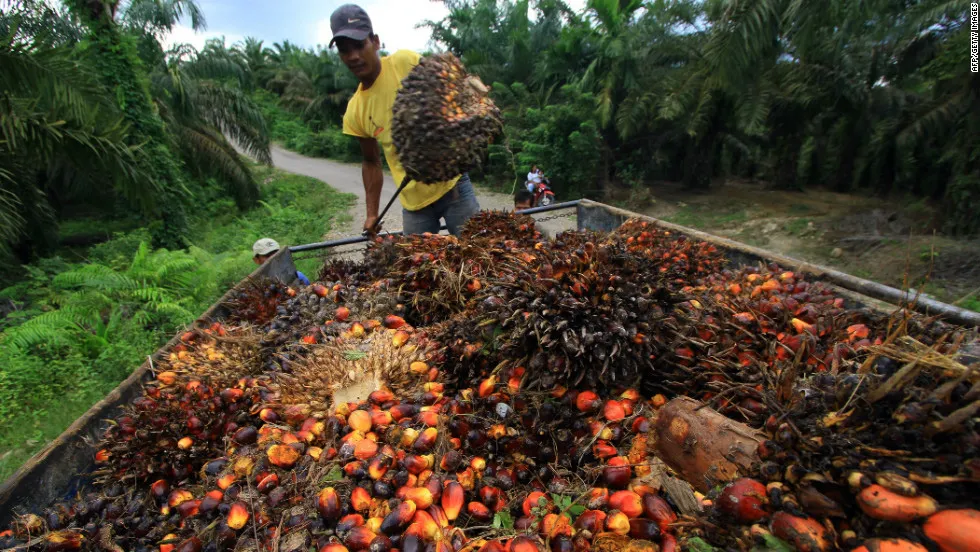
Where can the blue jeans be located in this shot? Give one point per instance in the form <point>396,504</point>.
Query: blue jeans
<point>456,206</point>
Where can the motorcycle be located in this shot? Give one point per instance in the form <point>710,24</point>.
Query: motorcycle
<point>543,195</point>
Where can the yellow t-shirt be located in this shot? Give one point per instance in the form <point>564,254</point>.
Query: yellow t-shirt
<point>369,115</point>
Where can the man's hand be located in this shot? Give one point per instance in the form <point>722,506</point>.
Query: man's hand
<point>371,226</point>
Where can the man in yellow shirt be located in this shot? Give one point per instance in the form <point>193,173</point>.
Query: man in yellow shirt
<point>368,118</point>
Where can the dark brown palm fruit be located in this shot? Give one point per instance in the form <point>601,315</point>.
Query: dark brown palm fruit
<point>443,120</point>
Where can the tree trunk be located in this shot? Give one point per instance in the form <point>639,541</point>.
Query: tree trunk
<point>697,163</point>
<point>118,67</point>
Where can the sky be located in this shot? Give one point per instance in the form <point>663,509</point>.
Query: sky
<point>307,22</point>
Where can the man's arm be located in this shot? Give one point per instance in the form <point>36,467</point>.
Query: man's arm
<point>373,179</point>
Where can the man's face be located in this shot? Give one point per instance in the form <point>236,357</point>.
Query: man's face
<point>361,56</point>
<point>259,259</point>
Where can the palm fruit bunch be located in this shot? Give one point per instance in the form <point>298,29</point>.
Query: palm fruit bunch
<point>256,301</point>
<point>684,261</point>
<point>443,120</point>
<point>200,392</point>
<point>879,453</point>
<point>621,392</point>
<point>506,230</point>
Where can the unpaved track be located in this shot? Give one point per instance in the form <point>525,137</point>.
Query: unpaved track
<point>346,177</point>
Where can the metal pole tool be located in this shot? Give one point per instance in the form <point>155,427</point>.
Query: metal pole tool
<point>377,225</point>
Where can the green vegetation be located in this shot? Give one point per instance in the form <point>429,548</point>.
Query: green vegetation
<point>73,331</point>
<point>698,217</point>
<point>125,209</point>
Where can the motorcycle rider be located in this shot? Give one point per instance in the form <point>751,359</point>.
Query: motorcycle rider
<point>534,178</point>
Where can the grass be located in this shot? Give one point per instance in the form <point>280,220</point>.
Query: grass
<point>694,217</point>
<point>45,387</point>
<point>796,227</point>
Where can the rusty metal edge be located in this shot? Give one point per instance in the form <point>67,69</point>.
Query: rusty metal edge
<point>859,286</point>
<point>48,475</point>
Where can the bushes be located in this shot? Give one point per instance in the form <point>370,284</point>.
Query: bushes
<point>71,332</point>
<point>289,130</point>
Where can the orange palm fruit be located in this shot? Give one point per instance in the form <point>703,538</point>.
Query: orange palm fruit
<point>534,500</point>
<point>333,547</point>
<point>487,386</point>
<point>393,322</point>
<point>398,518</point>
<point>381,396</point>
<point>618,522</point>
<point>237,515</point>
<point>896,545</point>
<point>603,449</point>
<point>430,529</point>
<point>587,401</point>
<point>478,464</point>
<point>349,522</point>
<point>267,483</point>
<point>360,499</point>
<point>178,497</point>
<point>400,338</point>
<point>421,496</point>
<point>656,508</point>
<point>613,411</point>
<point>379,466</point>
<point>189,508</point>
<point>328,504</point>
<point>342,314</point>
<point>553,525</point>
<point>283,456</point>
<point>597,498</point>
<point>954,530</point>
<point>524,543</point>
<point>617,472</point>
<point>478,511</point>
<point>170,541</point>
<point>426,440</point>
<point>439,515</point>
<point>429,418</point>
<point>373,524</point>
<point>593,521</point>
<point>453,496</point>
<point>268,415</point>
<point>381,418</point>
<point>185,443</point>
<point>167,378</point>
<point>359,538</point>
<point>418,367</point>
<point>627,502</point>
<point>880,503</point>
<point>160,488</point>
<point>365,449</point>
<point>359,420</point>
<point>415,464</point>
<point>804,534</point>
<point>467,478</point>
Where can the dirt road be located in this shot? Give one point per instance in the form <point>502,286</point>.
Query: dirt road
<point>346,177</point>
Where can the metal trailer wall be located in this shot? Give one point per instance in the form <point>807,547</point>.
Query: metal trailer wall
<point>53,474</point>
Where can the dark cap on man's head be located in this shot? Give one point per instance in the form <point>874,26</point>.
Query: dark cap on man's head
<point>350,21</point>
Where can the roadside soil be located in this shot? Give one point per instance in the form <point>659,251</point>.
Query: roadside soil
<point>891,241</point>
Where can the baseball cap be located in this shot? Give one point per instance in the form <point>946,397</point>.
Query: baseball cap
<point>350,21</point>
<point>265,246</point>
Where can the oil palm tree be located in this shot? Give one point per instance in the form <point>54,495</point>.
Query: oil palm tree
<point>202,101</point>
<point>59,134</point>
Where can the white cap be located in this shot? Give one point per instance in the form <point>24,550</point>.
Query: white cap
<point>265,246</point>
